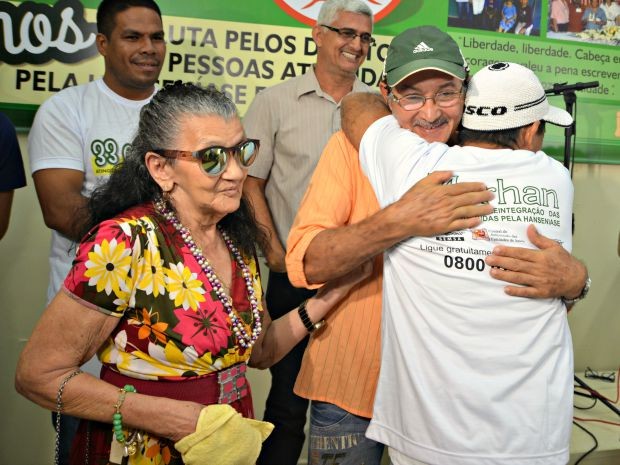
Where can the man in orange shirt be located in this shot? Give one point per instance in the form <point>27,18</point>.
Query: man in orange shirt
<point>339,226</point>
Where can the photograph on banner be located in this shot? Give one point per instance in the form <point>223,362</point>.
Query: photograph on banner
<point>504,16</point>
<point>593,21</point>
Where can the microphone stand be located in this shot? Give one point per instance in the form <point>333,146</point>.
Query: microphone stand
<point>570,98</point>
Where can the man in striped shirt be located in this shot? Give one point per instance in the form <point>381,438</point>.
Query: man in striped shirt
<point>293,121</point>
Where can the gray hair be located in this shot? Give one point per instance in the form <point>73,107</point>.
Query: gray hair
<point>159,119</point>
<point>331,8</point>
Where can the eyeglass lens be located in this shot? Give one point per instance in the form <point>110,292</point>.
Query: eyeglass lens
<point>414,102</point>
<point>215,159</point>
<point>351,34</point>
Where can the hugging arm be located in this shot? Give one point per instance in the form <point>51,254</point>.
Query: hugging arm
<point>547,272</point>
<point>358,111</point>
<point>326,240</point>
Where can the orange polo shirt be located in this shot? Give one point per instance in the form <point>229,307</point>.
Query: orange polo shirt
<point>341,363</point>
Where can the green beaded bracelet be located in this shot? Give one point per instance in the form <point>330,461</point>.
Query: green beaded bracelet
<point>117,418</point>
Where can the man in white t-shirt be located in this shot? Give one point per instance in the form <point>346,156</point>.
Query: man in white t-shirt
<point>80,134</point>
<point>489,376</point>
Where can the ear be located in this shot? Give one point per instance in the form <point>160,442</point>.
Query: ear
<point>383,88</point>
<point>528,137</point>
<point>102,43</point>
<point>160,170</point>
<point>317,35</point>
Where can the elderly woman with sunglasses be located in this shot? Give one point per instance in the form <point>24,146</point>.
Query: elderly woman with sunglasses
<point>165,288</point>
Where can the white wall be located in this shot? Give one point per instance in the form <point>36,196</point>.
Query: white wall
<point>26,431</point>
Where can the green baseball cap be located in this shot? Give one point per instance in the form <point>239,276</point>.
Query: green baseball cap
<point>421,48</point>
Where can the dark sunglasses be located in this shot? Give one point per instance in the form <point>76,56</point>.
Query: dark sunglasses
<point>214,160</point>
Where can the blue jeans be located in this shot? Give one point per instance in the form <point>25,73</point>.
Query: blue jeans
<point>285,409</point>
<point>337,437</point>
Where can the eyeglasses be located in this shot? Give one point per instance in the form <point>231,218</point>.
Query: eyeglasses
<point>214,160</point>
<point>351,34</point>
<point>415,102</point>
<point>609,376</point>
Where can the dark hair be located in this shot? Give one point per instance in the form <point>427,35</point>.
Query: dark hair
<point>108,9</point>
<point>506,138</point>
<point>131,183</point>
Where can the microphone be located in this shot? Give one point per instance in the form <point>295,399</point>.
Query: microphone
<point>561,88</point>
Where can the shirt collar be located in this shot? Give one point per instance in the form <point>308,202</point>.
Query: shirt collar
<point>308,83</point>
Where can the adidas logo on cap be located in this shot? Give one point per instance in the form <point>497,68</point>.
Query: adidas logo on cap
<point>422,47</point>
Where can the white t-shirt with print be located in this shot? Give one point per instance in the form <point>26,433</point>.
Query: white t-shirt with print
<point>470,375</point>
<point>85,128</point>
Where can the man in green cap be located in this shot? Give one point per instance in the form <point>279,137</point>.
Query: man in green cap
<point>340,225</point>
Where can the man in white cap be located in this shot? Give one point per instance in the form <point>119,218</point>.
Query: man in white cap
<point>487,377</point>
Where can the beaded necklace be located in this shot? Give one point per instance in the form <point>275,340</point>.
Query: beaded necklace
<point>238,326</point>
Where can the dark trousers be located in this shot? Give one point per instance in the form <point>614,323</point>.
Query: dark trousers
<point>285,409</point>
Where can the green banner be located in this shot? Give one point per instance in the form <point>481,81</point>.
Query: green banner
<point>243,46</point>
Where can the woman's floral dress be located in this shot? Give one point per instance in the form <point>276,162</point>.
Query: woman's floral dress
<point>171,324</point>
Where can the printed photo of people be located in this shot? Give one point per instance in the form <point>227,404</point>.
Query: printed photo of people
<point>503,16</point>
<point>596,21</point>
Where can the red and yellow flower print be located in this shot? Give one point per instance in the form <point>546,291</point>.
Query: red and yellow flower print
<point>172,325</point>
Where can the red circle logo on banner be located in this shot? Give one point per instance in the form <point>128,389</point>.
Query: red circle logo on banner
<point>307,11</point>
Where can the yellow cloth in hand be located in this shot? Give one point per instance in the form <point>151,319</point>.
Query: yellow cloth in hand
<point>223,437</point>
